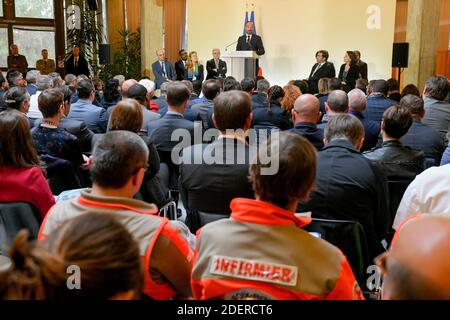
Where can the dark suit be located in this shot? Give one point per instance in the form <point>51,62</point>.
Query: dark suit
<point>188,114</point>
<point>213,72</point>
<point>350,187</point>
<point>377,104</point>
<point>327,70</point>
<point>276,118</point>
<point>180,70</point>
<point>310,132</point>
<point>158,72</point>
<point>81,68</point>
<point>18,63</point>
<point>350,79</point>
<point>78,129</point>
<point>211,187</point>
<point>255,44</point>
<point>2,100</point>
<point>260,100</point>
<point>362,69</point>
<point>371,131</point>
<point>205,109</point>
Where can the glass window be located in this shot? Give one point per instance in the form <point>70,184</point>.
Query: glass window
<point>40,9</point>
<point>31,41</point>
<point>1,8</point>
<point>4,51</point>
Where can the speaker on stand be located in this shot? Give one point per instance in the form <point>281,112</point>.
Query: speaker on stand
<point>400,54</point>
<point>105,53</point>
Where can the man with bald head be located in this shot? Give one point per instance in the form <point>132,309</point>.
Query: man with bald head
<point>357,104</point>
<point>417,264</point>
<point>305,115</point>
<point>337,103</point>
<point>163,70</point>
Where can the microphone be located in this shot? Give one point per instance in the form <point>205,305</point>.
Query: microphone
<point>226,48</point>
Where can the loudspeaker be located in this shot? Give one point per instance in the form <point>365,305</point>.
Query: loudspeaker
<point>92,5</point>
<point>105,53</point>
<point>400,55</point>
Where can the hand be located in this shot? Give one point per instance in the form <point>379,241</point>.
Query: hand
<point>87,162</point>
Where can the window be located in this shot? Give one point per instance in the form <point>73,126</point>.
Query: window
<point>40,9</point>
<point>31,41</point>
<point>4,50</point>
<point>1,8</point>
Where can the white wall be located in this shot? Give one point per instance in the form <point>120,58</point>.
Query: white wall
<point>293,30</point>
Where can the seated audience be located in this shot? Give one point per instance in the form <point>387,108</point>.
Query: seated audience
<point>337,103</point>
<point>43,83</point>
<point>231,84</point>
<point>410,89</point>
<point>446,157</point>
<point>111,95</point>
<point>57,80</point>
<point>151,87</point>
<point>71,81</point>
<point>121,80</point>
<point>15,78</point>
<point>210,90</point>
<point>332,84</point>
<point>248,85</point>
<point>349,186</point>
<point>97,244</point>
<point>83,110</point>
<point>437,109</point>
<point>161,100</point>
<point>139,93</point>
<point>428,193</point>
<point>118,168</point>
<point>48,137</point>
<point>273,116</point>
<point>189,114</point>
<point>362,84</point>
<point>260,97</point>
<point>322,88</point>
<point>416,266</point>
<point>17,98</point>
<point>22,179</point>
<point>31,81</point>
<point>420,136</point>
<point>242,242</point>
<point>3,88</point>
<point>357,104</point>
<point>398,161</point>
<point>302,85</point>
<point>208,185</point>
<point>377,103</point>
<point>291,93</point>
<point>305,115</point>
<point>393,90</point>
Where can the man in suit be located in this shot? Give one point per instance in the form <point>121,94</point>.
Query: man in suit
<point>76,64</point>
<point>45,65</point>
<point>260,99</point>
<point>139,93</point>
<point>17,61</point>
<point>163,70</point>
<point>83,110</point>
<point>377,103</point>
<point>305,114</point>
<point>211,90</point>
<point>216,68</point>
<point>31,81</point>
<point>227,167</point>
<point>251,42</point>
<point>362,65</point>
<point>180,65</point>
<point>322,69</point>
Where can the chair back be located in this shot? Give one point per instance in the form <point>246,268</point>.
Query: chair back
<point>61,174</point>
<point>196,219</point>
<point>396,189</point>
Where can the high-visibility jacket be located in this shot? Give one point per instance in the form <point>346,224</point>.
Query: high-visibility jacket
<point>164,250</point>
<point>262,252</point>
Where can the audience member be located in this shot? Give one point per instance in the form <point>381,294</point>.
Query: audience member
<point>163,70</point>
<point>362,84</point>
<point>111,95</point>
<point>16,61</point>
<point>410,89</point>
<point>3,87</point>
<point>216,68</point>
<point>243,240</point>
<point>71,81</point>
<point>45,65</point>
<point>302,85</point>
<point>337,103</point>
<point>121,80</point>
<point>210,90</point>
<point>377,103</point>
<point>260,98</point>
<point>357,104</point>
<point>43,83</point>
<point>57,80</point>
<point>161,101</point>
<point>446,157</point>
<point>180,65</point>
<point>18,98</point>
<point>231,84</point>
<point>349,72</point>
<point>322,69</point>
<point>349,186</point>
<point>437,109</point>
<point>332,85</point>
<point>118,168</point>
<point>22,179</point>
<point>273,116</point>
<point>248,85</point>
<point>420,136</point>
<point>31,81</point>
<point>15,78</point>
<point>291,93</point>
<point>425,240</point>
<point>101,247</point>
<point>393,90</point>
<point>139,93</point>
<point>150,86</point>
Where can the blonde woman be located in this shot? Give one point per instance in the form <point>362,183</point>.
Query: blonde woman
<point>194,69</point>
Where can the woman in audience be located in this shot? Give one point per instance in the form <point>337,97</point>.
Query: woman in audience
<point>323,87</point>
<point>111,95</point>
<point>17,98</point>
<point>274,116</point>
<point>48,137</point>
<point>94,246</point>
<point>127,116</point>
<point>291,93</point>
<point>21,178</point>
<point>194,68</point>
<point>410,89</point>
<point>349,71</point>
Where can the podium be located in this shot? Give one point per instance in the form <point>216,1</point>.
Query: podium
<point>241,64</point>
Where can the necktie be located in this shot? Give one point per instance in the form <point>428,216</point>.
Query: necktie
<point>163,66</point>
<point>248,39</point>
<point>317,68</point>
<point>76,62</point>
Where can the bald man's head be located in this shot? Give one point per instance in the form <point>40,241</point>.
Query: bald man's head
<point>127,85</point>
<point>337,102</point>
<point>306,109</point>
<point>417,267</point>
<point>357,100</point>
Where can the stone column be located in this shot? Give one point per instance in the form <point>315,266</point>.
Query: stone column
<point>422,35</point>
<point>151,33</point>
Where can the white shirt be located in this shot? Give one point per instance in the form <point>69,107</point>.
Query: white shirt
<point>428,193</point>
<point>33,111</point>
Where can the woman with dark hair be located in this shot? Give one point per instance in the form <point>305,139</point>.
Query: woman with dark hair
<point>127,115</point>
<point>274,116</point>
<point>349,71</point>
<point>111,94</point>
<point>100,248</point>
<point>21,178</point>
<point>410,89</point>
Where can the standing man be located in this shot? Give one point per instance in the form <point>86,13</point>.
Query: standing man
<point>45,65</point>
<point>322,69</point>
<point>215,67</point>
<point>251,42</point>
<point>17,61</point>
<point>76,64</point>
<point>180,65</point>
<point>362,65</point>
<point>163,69</point>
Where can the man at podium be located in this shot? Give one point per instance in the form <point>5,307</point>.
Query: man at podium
<point>251,42</point>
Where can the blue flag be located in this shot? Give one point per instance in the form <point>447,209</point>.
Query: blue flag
<point>245,22</point>
<point>252,19</point>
